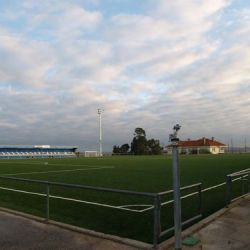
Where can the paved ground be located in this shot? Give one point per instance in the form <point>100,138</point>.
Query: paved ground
<point>231,231</point>
<point>20,233</point>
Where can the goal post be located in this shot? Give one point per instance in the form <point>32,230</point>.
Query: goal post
<point>91,154</point>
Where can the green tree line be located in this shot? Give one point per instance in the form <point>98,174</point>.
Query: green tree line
<point>139,145</point>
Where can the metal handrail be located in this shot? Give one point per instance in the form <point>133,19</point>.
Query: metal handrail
<point>242,175</point>
<point>182,188</point>
<point>239,173</point>
<point>199,192</point>
<point>156,197</point>
<point>148,194</point>
<point>182,224</point>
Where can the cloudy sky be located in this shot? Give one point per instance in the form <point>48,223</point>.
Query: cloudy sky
<point>147,63</point>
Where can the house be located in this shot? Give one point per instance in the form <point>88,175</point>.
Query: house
<point>200,146</point>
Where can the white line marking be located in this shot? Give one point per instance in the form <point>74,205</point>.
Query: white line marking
<point>95,203</point>
<point>146,209</point>
<point>75,200</point>
<point>56,171</point>
<point>213,187</point>
<point>55,164</point>
<point>203,190</point>
<point>243,176</point>
<point>17,162</point>
<point>22,191</point>
<point>123,207</point>
<point>76,165</point>
<point>23,163</point>
<point>194,193</point>
<point>136,205</point>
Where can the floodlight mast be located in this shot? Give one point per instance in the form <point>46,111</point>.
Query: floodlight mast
<point>99,112</point>
<point>176,186</point>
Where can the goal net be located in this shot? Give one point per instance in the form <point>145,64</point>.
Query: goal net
<point>91,154</point>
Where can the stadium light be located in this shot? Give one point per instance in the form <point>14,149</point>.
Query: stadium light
<point>99,112</point>
<point>176,186</point>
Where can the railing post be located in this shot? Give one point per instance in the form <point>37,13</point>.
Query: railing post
<point>229,189</point>
<point>248,183</point>
<point>157,220</point>
<point>200,200</point>
<point>242,185</point>
<point>47,201</point>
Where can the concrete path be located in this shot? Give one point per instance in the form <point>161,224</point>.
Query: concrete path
<point>231,231</point>
<point>21,233</point>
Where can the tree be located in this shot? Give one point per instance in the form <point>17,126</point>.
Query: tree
<point>139,132</point>
<point>124,148</point>
<point>139,143</point>
<point>121,150</point>
<point>154,147</point>
<point>116,149</point>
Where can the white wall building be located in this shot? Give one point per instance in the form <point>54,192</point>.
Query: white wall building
<point>203,145</point>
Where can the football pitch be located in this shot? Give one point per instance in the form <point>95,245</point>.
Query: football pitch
<point>119,214</point>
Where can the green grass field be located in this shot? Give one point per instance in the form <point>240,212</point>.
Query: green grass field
<point>138,173</point>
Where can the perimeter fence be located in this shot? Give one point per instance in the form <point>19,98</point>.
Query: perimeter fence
<point>155,207</point>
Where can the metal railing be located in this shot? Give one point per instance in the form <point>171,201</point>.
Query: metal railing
<point>49,184</point>
<point>157,198</point>
<point>155,206</point>
<point>243,177</point>
<point>48,195</point>
<point>158,233</point>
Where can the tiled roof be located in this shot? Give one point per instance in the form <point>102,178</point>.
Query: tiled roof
<point>201,142</point>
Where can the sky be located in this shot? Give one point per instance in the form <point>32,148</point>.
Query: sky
<point>146,63</point>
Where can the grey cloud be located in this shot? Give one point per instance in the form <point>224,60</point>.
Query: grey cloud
<point>143,70</point>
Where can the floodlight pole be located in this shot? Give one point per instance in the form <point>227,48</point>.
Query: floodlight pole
<point>99,112</point>
<point>176,187</point>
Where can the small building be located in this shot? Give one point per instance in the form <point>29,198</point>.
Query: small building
<point>200,146</point>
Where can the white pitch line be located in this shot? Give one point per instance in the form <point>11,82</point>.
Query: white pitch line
<point>136,205</point>
<point>213,187</point>
<point>57,171</point>
<point>75,200</point>
<point>194,193</point>
<point>16,162</point>
<point>22,191</point>
<point>54,164</point>
<point>236,179</point>
<point>76,165</point>
<point>94,203</point>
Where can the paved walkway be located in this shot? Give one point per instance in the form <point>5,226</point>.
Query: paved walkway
<point>231,231</point>
<point>20,233</point>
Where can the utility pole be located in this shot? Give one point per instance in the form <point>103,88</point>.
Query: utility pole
<point>99,112</point>
<point>245,144</point>
<point>176,186</point>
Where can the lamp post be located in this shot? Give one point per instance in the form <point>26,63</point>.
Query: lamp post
<point>99,112</point>
<point>176,186</point>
